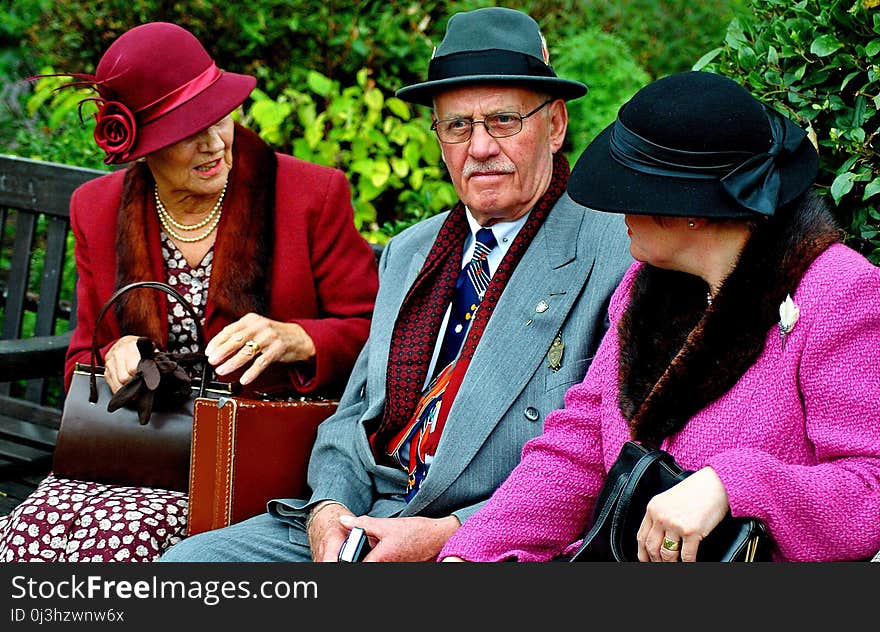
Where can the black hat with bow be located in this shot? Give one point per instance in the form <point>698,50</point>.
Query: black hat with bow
<point>695,144</point>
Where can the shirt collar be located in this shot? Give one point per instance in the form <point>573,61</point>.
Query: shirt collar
<point>504,232</point>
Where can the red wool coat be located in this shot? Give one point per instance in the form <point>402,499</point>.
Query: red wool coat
<point>286,248</point>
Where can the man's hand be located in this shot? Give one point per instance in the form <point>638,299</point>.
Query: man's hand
<point>403,539</point>
<point>326,533</point>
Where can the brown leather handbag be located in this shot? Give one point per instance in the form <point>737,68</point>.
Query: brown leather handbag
<point>246,452</point>
<point>117,447</point>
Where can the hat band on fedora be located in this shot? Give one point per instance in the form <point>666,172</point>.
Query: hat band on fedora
<point>751,179</point>
<point>487,62</point>
<point>177,97</point>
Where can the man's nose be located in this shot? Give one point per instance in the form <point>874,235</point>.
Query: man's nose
<point>482,144</point>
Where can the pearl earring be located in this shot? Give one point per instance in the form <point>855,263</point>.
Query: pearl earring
<point>691,223</point>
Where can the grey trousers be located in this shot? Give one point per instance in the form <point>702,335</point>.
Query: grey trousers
<point>259,539</point>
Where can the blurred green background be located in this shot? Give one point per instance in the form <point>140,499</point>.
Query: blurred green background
<point>327,72</point>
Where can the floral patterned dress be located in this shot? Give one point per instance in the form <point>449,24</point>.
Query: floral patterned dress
<point>66,520</point>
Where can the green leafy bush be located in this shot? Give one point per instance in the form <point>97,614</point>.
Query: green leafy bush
<point>276,40</point>
<point>50,127</point>
<point>818,62</point>
<point>605,64</point>
<point>665,36</point>
<point>390,156</point>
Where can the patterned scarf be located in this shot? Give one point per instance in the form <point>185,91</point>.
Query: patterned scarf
<point>421,314</point>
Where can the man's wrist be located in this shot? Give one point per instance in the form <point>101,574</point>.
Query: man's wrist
<point>318,507</point>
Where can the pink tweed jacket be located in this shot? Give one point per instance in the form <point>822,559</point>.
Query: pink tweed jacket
<point>796,441</point>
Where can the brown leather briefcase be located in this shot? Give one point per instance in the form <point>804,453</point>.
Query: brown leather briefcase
<point>246,452</point>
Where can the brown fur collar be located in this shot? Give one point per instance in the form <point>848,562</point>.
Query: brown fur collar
<point>239,279</point>
<point>677,355</point>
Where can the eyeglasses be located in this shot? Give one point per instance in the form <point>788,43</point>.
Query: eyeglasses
<point>498,125</point>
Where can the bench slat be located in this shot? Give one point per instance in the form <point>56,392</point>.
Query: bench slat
<point>40,186</point>
<point>30,412</point>
<point>35,436</point>
<point>18,275</point>
<point>24,454</point>
<point>50,284</point>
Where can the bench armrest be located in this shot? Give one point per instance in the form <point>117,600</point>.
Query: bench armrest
<point>29,358</point>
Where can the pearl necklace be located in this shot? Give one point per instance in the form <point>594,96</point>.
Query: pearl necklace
<point>167,221</point>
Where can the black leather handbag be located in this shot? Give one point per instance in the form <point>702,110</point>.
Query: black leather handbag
<point>638,475</point>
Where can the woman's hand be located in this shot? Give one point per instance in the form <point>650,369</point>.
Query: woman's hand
<point>121,362</point>
<point>681,517</point>
<point>261,341</point>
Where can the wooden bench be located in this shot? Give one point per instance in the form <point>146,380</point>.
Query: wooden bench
<point>34,246</point>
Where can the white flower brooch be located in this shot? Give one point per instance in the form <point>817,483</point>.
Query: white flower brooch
<point>788,316</point>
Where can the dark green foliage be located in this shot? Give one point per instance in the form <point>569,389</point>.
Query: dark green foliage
<point>50,128</point>
<point>664,36</point>
<point>277,40</point>
<point>817,62</point>
<point>604,63</point>
<point>389,152</point>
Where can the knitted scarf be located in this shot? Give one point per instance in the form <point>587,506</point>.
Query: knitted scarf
<point>421,314</point>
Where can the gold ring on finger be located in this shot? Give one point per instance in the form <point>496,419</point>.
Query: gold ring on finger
<point>253,346</point>
<point>670,544</point>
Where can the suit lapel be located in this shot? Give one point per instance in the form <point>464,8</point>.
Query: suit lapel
<point>513,346</point>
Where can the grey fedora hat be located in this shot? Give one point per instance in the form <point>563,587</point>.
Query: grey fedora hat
<point>491,45</point>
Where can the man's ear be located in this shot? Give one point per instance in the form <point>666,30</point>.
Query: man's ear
<point>558,124</point>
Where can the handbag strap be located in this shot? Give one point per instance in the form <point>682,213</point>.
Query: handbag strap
<point>151,285</point>
<point>642,466</point>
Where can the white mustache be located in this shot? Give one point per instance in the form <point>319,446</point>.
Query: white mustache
<point>471,168</point>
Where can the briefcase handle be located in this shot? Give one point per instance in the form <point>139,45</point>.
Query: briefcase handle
<point>152,285</point>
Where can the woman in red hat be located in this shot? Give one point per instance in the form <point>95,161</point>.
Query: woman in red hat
<point>261,244</point>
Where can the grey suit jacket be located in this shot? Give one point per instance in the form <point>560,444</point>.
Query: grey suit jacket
<point>573,265</point>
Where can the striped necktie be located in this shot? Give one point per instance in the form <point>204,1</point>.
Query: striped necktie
<point>469,290</point>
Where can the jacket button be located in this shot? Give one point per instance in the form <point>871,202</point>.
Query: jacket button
<point>532,413</point>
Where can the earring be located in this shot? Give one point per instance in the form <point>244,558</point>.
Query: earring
<point>691,223</point>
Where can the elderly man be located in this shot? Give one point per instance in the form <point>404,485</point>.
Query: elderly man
<point>485,316</point>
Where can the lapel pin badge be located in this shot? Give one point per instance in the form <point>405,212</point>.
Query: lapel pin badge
<point>555,353</point>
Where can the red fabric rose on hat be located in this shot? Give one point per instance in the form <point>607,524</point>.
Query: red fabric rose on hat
<point>115,130</point>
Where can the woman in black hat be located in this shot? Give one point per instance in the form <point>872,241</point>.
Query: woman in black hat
<point>744,342</point>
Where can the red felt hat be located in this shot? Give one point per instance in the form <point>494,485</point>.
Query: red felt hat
<point>158,86</point>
